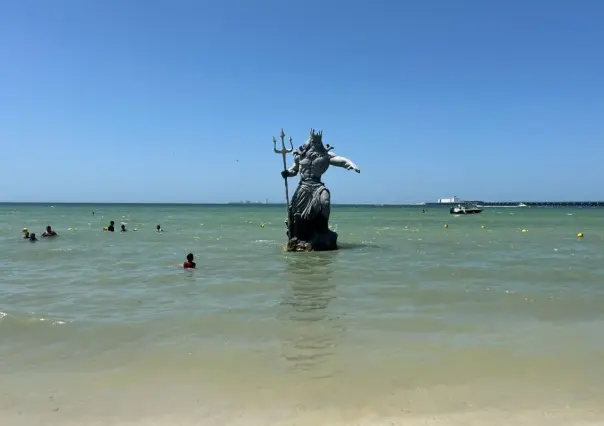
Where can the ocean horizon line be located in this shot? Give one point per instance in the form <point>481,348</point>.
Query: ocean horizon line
<point>231,203</point>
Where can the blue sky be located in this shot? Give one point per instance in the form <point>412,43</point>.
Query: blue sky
<point>177,101</point>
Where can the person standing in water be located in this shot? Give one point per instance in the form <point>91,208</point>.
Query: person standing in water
<point>32,237</point>
<point>49,232</point>
<point>189,263</point>
<point>25,234</point>
<point>111,227</point>
<point>159,228</point>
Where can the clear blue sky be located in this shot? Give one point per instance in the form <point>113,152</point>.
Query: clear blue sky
<point>149,100</point>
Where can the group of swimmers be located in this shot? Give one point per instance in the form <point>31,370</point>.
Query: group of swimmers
<point>32,236</point>
<point>188,264</point>
<point>111,228</point>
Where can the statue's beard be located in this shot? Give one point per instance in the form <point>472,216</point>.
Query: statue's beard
<point>318,146</point>
<point>315,146</point>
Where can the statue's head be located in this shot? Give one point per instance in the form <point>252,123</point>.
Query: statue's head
<point>315,138</point>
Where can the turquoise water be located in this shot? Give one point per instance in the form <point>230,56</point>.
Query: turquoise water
<point>410,323</point>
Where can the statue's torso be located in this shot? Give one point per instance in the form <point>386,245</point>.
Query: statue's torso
<point>313,164</point>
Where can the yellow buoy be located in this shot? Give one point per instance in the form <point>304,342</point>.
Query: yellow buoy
<point>524,230</point>
<point>580,235</point>
<point>483,227</point>
<point>262,225</point>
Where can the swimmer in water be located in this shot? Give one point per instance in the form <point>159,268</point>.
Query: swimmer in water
<point>159,229</point>
<point>110,228</point>
<point>25,234</point>
<point>189,264</point>
<point>124,229</point>
<point>49,232</point>
<point>32,237</point>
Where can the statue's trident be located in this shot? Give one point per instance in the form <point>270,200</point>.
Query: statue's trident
<point>284,151</point>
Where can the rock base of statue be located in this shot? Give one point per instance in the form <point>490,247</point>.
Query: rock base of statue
<point>324,241</point>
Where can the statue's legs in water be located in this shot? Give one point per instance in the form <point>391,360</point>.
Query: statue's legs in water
<point>324,239</point>
<point>325,204</point>
<point>314,232</point>
<point>322,221</point>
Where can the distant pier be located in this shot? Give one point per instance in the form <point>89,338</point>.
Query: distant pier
<point>527,203</point>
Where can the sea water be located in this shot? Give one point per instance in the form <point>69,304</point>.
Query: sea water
<point>411,322</point>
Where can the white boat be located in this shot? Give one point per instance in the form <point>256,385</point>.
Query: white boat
<point>462,209</point>
<point>522,205</point>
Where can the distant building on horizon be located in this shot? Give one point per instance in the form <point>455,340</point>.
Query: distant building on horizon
<point>452,200</point>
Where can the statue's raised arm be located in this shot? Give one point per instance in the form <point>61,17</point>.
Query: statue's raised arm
<point>339,161</point>
<point>310,206</point>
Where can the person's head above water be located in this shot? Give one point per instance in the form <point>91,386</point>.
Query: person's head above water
<point>158,227</point>
<point>49,232</point>
<point>189,263</point>
<point>112,223</point>
<point>123,227</point>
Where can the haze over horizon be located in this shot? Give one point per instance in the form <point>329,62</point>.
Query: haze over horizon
<point>178,101</point>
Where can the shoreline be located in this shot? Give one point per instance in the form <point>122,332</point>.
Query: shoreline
<point>166,405</point>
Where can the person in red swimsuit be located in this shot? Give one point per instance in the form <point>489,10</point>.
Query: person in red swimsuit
<point>189,264</point>
<point>49,232</point>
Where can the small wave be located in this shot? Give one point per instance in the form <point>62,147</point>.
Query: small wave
<point>34,318</point>
<point>19,319</point>
<point>53,322</point>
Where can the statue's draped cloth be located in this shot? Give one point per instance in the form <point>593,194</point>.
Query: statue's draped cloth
<point>306,201</point>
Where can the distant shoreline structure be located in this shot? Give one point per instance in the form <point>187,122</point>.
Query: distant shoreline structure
<point>247,202</point>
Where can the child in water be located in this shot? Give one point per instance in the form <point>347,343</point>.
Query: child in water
<point>32,237</point>
<point>189,264</point>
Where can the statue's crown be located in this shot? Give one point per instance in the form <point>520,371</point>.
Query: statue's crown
<point>316,136</point>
